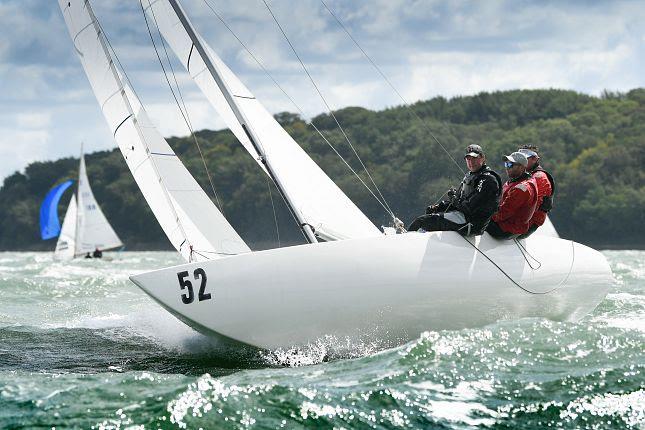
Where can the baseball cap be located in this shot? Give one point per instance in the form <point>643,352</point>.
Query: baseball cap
<point>474,151</point>
<point>518,158</point>
<point>529,153</point>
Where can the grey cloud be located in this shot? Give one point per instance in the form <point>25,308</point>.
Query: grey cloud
<point>427,47</point>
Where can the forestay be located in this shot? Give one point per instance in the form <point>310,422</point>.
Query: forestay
<point>316,197</point>
<point>188,217</point>
<point>92,228</point>
<point>66,245</point>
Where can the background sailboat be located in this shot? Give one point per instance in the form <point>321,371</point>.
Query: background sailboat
<point>85,227</point>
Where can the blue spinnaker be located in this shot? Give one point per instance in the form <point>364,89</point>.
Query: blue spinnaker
<point>49,223</point>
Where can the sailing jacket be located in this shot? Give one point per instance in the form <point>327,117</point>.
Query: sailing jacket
<point>546,190</point>
<point>519,202</point>
<point>477,198</point>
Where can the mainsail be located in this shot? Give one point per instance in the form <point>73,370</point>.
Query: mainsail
<point>315,196</point>
<point>191,221</point>
<point>92,228</point>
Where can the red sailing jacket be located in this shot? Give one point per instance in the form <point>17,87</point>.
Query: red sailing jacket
<point>519,201</point>
<point>544,189</point>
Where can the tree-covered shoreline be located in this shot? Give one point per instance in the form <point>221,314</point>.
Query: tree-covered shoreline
<point>594,146</point>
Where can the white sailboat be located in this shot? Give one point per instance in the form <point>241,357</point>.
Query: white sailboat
<point>358,283</point>
<point>85,227</point>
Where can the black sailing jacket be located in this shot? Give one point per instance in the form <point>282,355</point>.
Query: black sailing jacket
<point>477,198</point>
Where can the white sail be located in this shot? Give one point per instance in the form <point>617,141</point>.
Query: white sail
<point>191,221</point>
<point>66,243</point>
<point>316,197</point>
<point>93,229</point>
<point>547,229</point>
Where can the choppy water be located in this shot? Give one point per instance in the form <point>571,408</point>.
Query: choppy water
<point>82,347</point>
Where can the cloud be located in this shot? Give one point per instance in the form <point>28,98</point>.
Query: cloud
<point>426,47</point>
<point>33,120</point>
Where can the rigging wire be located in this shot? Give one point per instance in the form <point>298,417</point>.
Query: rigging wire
<point>510,278</point>
<point>523,250</point>
<point>184,115</point>
<point>389,210</point>
<point>405,102</point>
<point>293,102</point>
<point>526,254</point>
<point>275,218</point>
<point>107,46</point>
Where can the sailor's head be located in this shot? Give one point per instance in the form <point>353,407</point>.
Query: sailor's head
<point>515,164</point>
<point>475,157</point>
<point>532,154</point>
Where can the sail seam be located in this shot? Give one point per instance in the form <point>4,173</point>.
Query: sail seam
<point>108,98</point>
<point>78,34</point>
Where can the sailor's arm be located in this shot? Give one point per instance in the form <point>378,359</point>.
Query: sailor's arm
<point>485,190</point>
<point>515,199</point>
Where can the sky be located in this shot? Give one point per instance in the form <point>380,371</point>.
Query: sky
<point>426,48</point>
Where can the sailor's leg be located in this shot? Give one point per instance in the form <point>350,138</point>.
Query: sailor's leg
<point>494,230</point>
<point>418,223</point>
<point>434,222</point>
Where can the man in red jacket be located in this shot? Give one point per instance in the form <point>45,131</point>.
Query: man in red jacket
<point>545,186</point>
<point>519,200</point>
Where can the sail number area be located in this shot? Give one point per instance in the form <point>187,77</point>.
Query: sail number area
<point>189,295</point>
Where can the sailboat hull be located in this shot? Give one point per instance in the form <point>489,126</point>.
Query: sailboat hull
<point>387,289</point>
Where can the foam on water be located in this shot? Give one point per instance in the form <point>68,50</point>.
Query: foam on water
<point>83,347</point>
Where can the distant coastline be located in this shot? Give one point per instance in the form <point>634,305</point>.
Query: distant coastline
<point>594,146</point>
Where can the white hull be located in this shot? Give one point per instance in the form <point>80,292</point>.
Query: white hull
<point>390,288</point>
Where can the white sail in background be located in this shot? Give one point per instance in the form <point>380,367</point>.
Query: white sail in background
<point>191,221</point>
<point>93,229</point>
<point>320,202</point>
<point>66,243</point>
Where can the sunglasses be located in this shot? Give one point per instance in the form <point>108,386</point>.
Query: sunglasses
<point>508,164</point>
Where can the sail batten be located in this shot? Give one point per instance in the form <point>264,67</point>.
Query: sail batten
<point>190,222</point>
<point>316,198</point>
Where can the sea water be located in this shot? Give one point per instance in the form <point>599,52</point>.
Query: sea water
<point>83,347</point>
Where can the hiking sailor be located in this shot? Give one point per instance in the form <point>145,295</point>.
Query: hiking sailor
<point>519,200</point>
<point>545,186</point>
<point>469,208</point>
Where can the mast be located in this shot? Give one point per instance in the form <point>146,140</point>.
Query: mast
<point>78,208</point>
<point>248,130</point>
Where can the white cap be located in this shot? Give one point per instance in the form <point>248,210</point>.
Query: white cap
<point>518,158</point>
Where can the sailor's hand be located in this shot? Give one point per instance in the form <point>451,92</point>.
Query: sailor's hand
<point>452,193</point>
<point>432,209</point>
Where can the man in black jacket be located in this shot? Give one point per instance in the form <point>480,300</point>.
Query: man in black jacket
<point>469,208</point>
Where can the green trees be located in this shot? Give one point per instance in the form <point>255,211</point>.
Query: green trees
<point>594,147</point>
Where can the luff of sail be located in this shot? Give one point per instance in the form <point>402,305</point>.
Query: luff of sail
<point>192,223</point>
<point>92,228</point>
<point>66,244</point>
<point>317,198</point>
